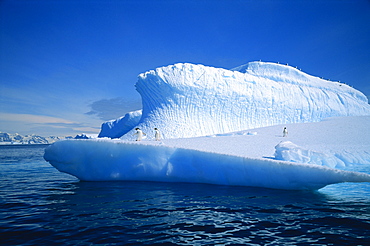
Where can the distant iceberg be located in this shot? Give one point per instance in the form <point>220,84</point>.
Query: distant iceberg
<point>186,101</point>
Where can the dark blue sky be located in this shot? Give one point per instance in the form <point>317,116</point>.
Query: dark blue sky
<point>66,66</point>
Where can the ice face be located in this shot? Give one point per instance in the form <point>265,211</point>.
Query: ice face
<point>187,100</point>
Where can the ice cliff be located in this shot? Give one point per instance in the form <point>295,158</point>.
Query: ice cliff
<point>186,100</point>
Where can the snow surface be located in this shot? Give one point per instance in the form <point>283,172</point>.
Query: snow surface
<point>187,100</point>
<point>240,158</point>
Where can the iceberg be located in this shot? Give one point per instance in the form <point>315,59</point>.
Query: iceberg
<point>225,127</point>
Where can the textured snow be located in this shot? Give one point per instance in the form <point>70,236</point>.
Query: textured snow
<point>236,158</point>
<point>289,151</point>
<point>187,100</point>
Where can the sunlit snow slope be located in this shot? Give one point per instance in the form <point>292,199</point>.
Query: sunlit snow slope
<point>187,100</point>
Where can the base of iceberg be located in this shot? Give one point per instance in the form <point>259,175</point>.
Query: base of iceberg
<point>219,159</point>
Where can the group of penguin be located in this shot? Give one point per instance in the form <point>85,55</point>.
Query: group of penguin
<point>140,134</point>
<point>157,134</point>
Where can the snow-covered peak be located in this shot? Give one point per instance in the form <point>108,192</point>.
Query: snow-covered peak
<point>285,73</point>
<point>276,72</point>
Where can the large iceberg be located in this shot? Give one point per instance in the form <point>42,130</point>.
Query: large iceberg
<point>186,101</point>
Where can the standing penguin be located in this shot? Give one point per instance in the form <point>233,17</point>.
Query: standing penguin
<point>157,134</point>
<point>285,132</point>
<point>139,134</point>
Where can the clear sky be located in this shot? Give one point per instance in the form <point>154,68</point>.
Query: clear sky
<point>67,66</point>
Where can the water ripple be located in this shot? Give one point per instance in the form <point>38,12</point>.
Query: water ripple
<point>40,206</point>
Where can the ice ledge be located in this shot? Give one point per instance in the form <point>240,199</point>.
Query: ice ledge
<point>105,160</point>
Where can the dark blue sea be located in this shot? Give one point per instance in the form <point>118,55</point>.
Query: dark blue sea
<point>41,206</point>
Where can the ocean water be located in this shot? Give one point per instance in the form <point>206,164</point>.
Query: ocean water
<point>41,206</point>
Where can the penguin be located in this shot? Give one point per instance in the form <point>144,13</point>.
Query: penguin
<point>139,134</point>
<point>157,134</point>
<point>285,132</point>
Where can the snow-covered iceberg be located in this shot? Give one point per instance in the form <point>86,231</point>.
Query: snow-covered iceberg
<point>186,101</point>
